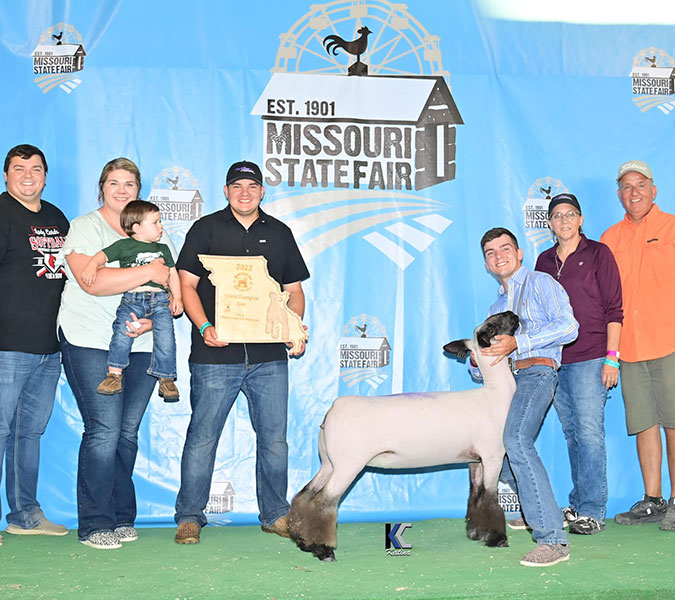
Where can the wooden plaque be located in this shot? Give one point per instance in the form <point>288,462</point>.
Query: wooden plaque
<point>250,305</point>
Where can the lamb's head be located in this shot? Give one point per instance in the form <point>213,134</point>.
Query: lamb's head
<point>504,323</point>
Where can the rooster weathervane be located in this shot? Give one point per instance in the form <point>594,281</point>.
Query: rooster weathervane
<point>356,48</point>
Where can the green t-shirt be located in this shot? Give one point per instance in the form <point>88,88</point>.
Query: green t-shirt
<point>133,253</point>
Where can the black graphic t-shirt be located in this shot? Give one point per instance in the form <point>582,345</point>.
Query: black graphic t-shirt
<point>30,278</point>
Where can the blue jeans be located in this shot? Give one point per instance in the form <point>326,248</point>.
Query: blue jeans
<point>213,390</point>
<point>153,306</point>
<point>580,403</point>
<point>27,386</point>
<point>106,497</point>
<point>523,469</point>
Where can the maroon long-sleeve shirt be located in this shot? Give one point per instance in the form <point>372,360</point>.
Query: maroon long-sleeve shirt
<point>591,279</point>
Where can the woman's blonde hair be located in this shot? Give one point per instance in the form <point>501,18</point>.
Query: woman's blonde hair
<point>118,163</point>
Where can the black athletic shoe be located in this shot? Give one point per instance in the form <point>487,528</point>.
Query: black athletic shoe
<point>569,516</point>
<point>668,523</point>
<point>586,526</point>
<point>644,511</point>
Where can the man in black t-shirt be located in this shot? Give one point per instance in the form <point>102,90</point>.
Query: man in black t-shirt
<point>31,233</point>
<point>219,371</point>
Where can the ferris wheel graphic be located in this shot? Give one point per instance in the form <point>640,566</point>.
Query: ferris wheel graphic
<point>398,224</point>
<point>400,45</point>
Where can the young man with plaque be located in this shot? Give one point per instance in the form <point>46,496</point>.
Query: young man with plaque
<point>220,370</point>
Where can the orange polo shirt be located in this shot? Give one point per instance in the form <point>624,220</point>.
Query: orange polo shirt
<point>645,254</point>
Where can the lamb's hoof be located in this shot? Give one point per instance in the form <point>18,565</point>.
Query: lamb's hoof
<point>496,540</point>
<point>324,553</point>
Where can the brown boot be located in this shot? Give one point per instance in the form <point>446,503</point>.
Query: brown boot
<point>280,527</point>
<point>187,533</point>
<point>111,385</point>
<point>168,390</point>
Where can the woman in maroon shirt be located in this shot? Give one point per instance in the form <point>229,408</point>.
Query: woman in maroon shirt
<point>588,272</point>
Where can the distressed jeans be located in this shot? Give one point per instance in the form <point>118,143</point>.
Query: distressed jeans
<point>27,386</point>
<point>523,469</point>
<point>580,403</point>
<point>213,391</point>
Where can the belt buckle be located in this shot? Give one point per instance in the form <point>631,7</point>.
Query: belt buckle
<point>512,366</point>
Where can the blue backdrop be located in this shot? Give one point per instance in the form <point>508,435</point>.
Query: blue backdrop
<point>477,117</point>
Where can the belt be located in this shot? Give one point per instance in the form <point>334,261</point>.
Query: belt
<point>526,363</point>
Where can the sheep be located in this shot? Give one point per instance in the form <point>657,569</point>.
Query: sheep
<point>405,431</point>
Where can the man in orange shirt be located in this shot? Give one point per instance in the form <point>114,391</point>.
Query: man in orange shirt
<point>643,244</point>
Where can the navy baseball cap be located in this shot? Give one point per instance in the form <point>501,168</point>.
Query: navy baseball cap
<point>563,199</point>
<point>244,170</point>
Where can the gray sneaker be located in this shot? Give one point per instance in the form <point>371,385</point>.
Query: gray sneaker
<point>546,555</point>
<point>668,523</point>
<point>44,527</point>
<point>643,511</point>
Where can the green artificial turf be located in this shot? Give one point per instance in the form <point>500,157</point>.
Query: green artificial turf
<point>243,562</point>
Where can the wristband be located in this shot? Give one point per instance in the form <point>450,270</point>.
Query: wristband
<point>204,326</point>
<point>613,353</point>
<point>611,363</point>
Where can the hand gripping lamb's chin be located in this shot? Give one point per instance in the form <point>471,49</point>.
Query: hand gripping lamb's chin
<point>415,430</point>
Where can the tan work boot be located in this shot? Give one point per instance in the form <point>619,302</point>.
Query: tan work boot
<point>187,533</point>
<point>280,527</point>
<point>111,385</point>
<point>168,390</point>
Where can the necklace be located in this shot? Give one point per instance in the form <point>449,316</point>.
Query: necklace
<point>559,265</point>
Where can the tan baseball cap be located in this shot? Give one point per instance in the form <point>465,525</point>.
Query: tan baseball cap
<point>636,166</point>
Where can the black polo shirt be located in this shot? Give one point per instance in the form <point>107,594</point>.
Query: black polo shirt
<point>220,234</point>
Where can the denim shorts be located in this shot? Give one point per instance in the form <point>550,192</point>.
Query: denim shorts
<point>648,389</point>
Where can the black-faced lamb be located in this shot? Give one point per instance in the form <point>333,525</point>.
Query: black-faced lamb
<point>405,431</point>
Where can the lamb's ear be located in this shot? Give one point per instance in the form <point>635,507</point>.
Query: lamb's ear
<point>458,347</point>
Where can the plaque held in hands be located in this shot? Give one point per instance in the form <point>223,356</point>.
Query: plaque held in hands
<point>250,305</point>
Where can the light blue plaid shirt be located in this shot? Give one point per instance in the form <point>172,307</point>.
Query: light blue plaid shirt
<point>547,322</point>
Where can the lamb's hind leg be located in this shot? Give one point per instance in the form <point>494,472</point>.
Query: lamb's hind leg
<point>313,515</point>
<point>309,519</point>
<point>492,519</point>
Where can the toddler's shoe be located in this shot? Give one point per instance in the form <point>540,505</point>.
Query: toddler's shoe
<point>111,385</point>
